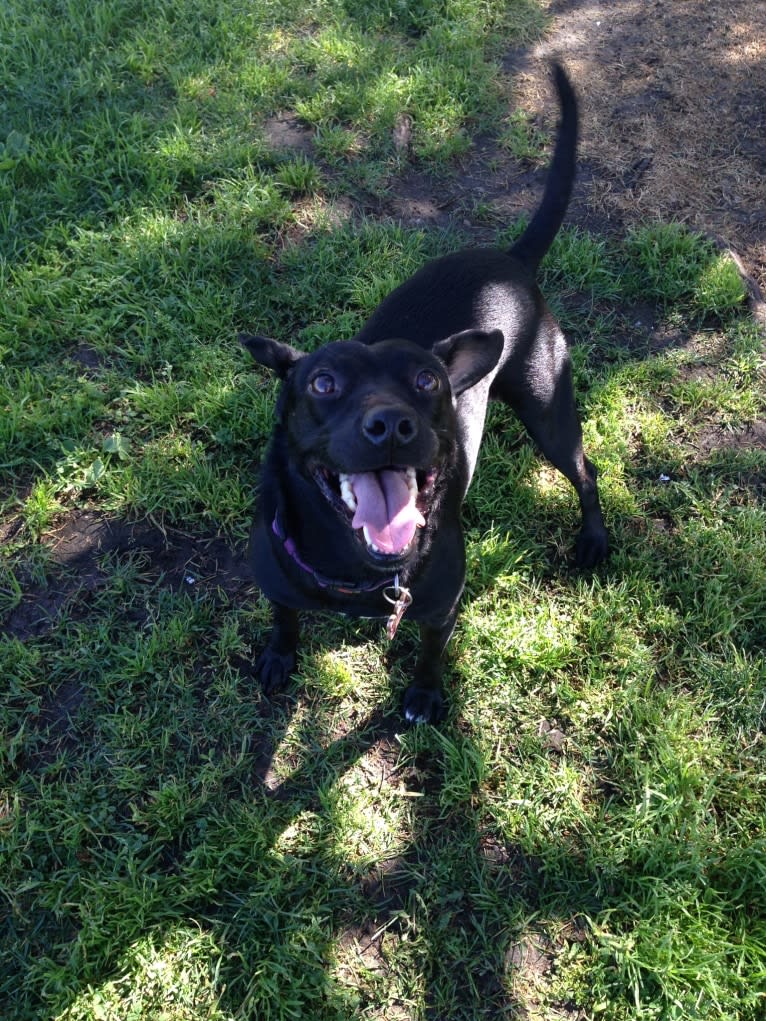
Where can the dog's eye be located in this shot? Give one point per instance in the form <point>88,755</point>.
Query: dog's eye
<point>427,381</point>
<point>323,384</point>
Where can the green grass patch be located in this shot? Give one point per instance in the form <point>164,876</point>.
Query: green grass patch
<point>522,139</point>
<point>675,265</point>
<point>584,834</point>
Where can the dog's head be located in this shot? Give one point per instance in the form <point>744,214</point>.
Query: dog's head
<point>374,427</point>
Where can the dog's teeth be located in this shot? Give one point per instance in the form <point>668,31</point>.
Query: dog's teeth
<point>412,481</point>
<point>347,492</point>
<point>368,540</point>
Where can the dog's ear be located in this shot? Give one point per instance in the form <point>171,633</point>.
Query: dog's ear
<point>470,356</point>
<point>280,358</point>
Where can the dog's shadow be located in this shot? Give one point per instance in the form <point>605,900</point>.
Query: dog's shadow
<point>447,878</point>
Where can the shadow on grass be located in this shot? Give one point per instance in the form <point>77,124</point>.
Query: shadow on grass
<point>240,829</point>
<point>138,870</point>
<point>182,797</point>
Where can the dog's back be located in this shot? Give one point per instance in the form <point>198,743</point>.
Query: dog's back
<point>489,289</point>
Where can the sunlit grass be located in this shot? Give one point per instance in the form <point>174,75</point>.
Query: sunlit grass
<point>172,844</point>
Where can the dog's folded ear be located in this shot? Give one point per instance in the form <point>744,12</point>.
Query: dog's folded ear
<point>470,356</point>
<point>272,354</point>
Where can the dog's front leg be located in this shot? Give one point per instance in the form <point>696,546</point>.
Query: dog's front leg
<point>424,699</point>
<point>277,661</point>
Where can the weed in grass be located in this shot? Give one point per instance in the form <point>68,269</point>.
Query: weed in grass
<point>523,140</point>
<point>335,143</point>
<point>299,177</point>
<point>41,507</point>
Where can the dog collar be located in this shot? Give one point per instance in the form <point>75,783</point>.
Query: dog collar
<point>397,595</point>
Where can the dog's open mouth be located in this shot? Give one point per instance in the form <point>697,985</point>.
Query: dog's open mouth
<point>387,506</point>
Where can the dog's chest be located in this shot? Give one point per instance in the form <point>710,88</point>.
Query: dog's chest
<point>471,417</point>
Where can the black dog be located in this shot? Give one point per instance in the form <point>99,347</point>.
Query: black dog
<point>377,438</point>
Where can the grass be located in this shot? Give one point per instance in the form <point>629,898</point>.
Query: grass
<point>583,837</point>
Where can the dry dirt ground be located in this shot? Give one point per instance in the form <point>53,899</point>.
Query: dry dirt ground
<point>673,103</point>
<point>673,108</point>
<point>674,113</point>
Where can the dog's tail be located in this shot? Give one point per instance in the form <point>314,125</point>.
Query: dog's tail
<point>544,225</point>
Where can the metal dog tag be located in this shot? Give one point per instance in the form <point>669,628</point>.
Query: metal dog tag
<point>400,598</point>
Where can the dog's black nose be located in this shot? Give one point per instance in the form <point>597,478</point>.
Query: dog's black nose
<point>384,425</point>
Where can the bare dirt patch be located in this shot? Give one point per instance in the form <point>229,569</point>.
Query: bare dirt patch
<point>78,548</point>
<point>673,98</point>
<point>673,124</point>
<point>286,131</point>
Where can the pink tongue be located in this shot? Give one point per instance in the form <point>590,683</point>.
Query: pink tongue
<point>386,507</point>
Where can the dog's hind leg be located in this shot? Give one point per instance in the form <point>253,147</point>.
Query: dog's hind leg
<point>278,659</point>
<point>549,415</point>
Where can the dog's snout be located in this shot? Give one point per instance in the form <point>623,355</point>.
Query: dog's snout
<point>385,425</point>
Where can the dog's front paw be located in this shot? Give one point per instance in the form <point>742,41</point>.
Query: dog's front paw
<point>423,705</point>
<point>592,547</point>
<point>273,669</point>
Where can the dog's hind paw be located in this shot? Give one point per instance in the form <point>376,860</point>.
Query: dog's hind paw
<point>423,705</point>
<point>273,669</point>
